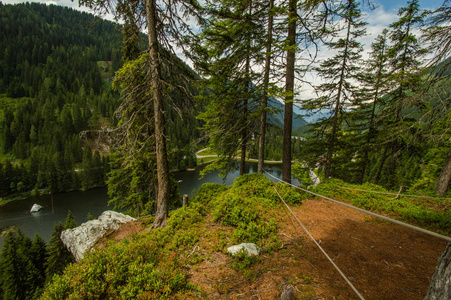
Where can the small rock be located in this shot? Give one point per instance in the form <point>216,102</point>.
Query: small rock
<point>250,248</point>
<point>36,208</point>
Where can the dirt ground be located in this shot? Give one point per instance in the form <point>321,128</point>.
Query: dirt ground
<point>382,260</point>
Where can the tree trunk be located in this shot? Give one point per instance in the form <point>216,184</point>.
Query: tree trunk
<point>445,177</point>
<point>289,88</point>
<point>370,127</point>
<point>160,141</point>
<point>261,140</point>
<point>245,108</point>
<point>439,287</point>
<point>381,166</point>
<point>243,152</point>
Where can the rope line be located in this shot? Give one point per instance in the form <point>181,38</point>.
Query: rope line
<point>368,212</point>
<point>388,193</point>
<point>322,250</point>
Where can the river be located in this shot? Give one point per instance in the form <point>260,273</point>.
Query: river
<point>95,201</point>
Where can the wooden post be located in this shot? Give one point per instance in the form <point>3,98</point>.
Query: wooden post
<point>185,200</point>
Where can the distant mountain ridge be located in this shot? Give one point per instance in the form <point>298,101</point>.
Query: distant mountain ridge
<point>278,116</point>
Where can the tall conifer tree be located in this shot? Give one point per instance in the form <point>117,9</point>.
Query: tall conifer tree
<point>405,73</point>
<point>227,50</point>
<point>340,73</point>
<point>289,90</point>
<point>165,21</point>
<point>376,87</point>
<point>58,255</point>
<point>264,103</point>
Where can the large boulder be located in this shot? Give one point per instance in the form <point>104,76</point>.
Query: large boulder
<point>440,285</point>
<point>81,239</point>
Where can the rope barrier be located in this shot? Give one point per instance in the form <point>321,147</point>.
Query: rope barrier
<point>368,212</point>
<point>322,250</point>
<point>388,193</point>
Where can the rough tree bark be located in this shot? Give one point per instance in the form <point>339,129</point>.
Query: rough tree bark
<point>261,140</point>
<point>160,141</point>
<point>440,285</point>
<point>289,89</point>
<point>445,177</point>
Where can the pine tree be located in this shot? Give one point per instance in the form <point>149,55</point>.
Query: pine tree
<point>164,22</point>
<point>58,257</point>
<point>405,55</point>
<point>376,86</point>
<point>439,38</point>
<point>340,74</point>
<point>289,90</point>
<point>70,221</point>
<point>38,255</point>
<point>226,50</point>
<point>264,103</point>
<point>17,272</point>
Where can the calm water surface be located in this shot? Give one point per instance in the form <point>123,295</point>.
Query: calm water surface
<point>95,201</point>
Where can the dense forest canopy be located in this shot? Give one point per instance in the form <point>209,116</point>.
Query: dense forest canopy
<point>57,99</point>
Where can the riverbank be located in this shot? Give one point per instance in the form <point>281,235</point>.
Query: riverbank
<point>208,156</point>
<point>22,196</point>
<point>39,193</point>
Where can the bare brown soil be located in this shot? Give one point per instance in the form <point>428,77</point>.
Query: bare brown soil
<point>382,260</point>
<point>125,230</point>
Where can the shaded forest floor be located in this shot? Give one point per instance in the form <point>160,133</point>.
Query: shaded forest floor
<point>382,260</point>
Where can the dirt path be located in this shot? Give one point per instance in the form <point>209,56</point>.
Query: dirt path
<point>383,260</point>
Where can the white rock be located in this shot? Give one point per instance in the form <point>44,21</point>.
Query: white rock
<point>81,239</point>
<point>250,248</point>
<point>36,207</point>
<point>314,178</point>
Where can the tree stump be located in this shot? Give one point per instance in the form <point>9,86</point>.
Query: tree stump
<point>185,200</point>
<point>288,292</point>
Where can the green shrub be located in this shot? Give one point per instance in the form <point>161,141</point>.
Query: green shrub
<point>208,191</point>
<point>186,216</point>
<point>241,262</point>
<point>137,268</point>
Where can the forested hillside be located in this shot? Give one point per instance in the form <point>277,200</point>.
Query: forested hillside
<point>56,82</point>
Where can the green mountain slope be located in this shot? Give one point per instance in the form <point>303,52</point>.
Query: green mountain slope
<point>55,82</point>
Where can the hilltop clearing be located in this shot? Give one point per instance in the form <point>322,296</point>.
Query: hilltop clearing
<point>188,259</point>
